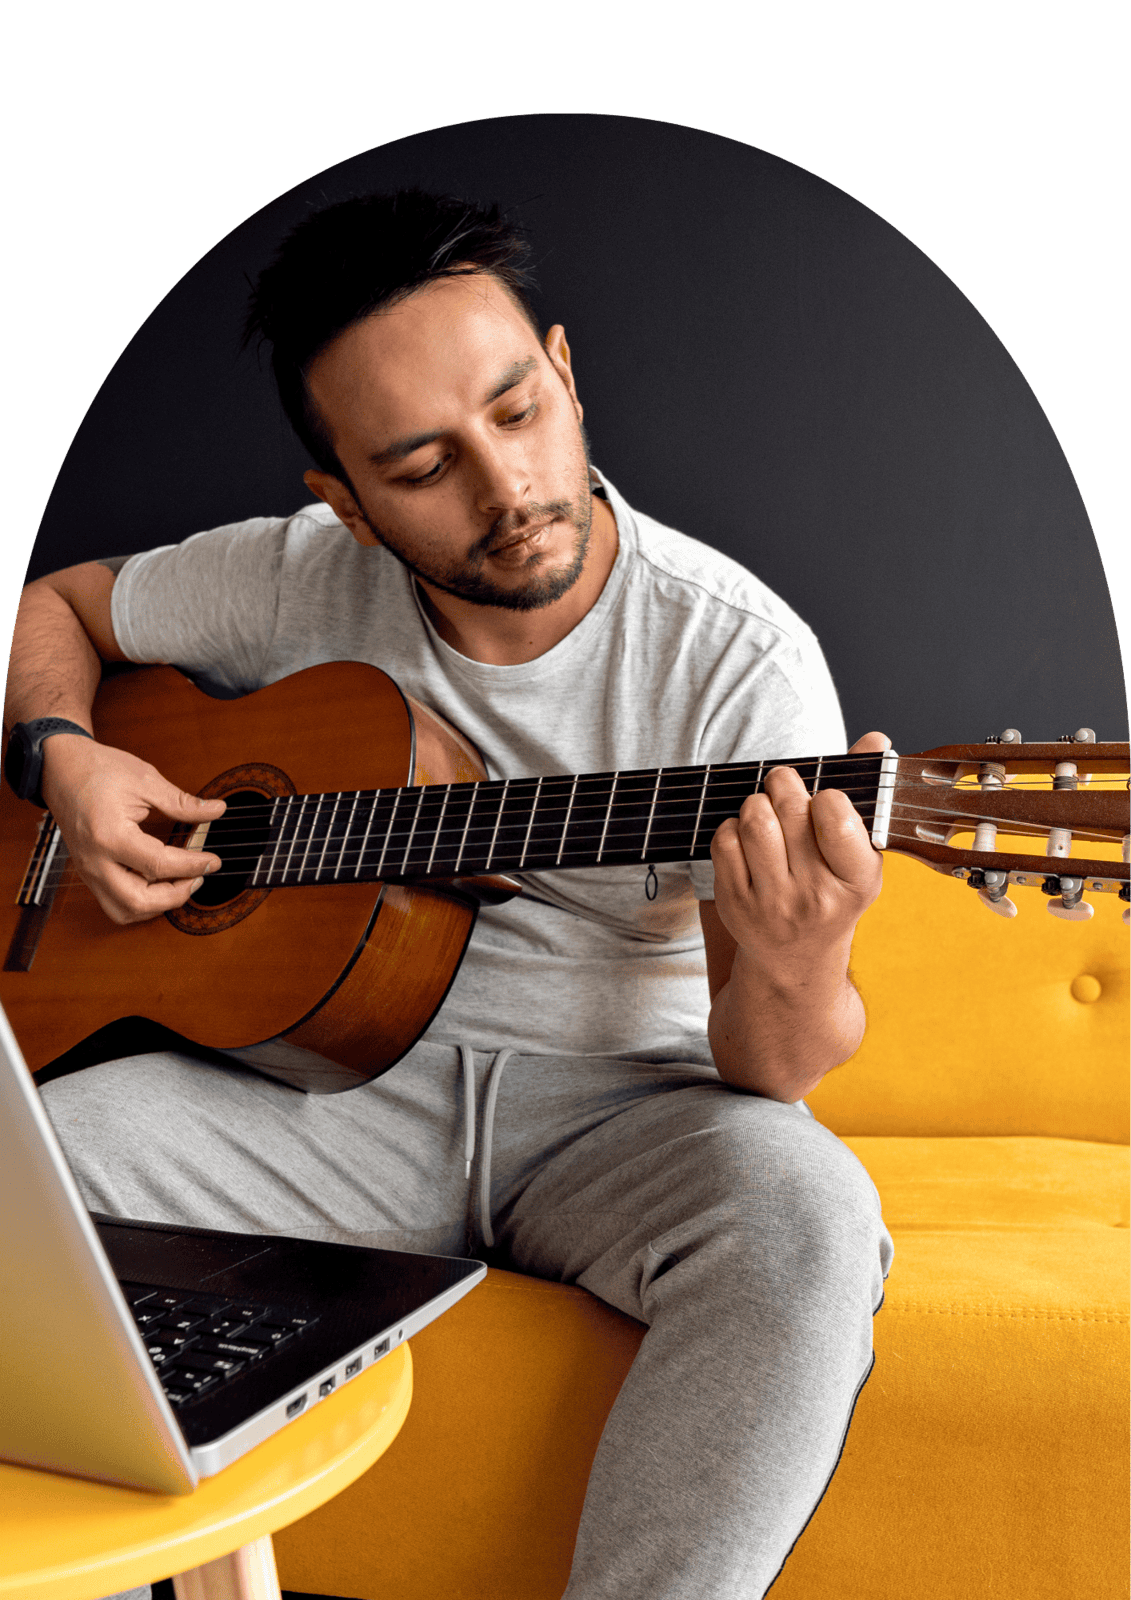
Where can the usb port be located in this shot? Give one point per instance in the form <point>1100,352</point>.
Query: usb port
<point>354,1368</point>
<point>381,1349</point>
<point>325,1388</point>
<point>295,1406</point>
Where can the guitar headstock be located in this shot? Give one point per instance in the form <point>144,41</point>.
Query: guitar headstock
<point>1067,799</point>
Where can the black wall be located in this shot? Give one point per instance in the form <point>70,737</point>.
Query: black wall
<point>764,364</point>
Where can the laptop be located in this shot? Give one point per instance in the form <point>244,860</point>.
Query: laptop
<point>154,1356</point>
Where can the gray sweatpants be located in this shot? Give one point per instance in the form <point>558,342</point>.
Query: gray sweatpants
<point>745,1235</point>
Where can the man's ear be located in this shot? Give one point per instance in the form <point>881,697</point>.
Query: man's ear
<point>558,351</point>
<point>341,502</point>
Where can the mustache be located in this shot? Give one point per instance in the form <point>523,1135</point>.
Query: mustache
<point>513,524</point>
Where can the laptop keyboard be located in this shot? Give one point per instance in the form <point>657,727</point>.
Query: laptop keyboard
<point>198,1341</point>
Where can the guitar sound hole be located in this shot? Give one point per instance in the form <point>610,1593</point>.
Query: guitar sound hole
<point>238,838</point>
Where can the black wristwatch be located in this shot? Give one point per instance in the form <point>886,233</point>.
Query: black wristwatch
<point>23,765</point>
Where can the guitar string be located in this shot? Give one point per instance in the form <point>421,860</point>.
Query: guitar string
<point>237,865</point>
<point>255,842</point>
<point>1056,865</point>
<point>254,838</point>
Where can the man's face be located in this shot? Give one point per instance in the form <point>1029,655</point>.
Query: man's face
<point>461,436</point>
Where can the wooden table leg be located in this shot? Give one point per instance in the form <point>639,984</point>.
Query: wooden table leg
<point>247,1574</point>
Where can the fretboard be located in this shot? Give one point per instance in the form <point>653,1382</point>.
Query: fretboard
<point>517,824</point>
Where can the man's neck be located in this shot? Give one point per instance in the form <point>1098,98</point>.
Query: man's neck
<point>505,638</point>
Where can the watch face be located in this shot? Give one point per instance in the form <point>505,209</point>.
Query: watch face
<point>16,760</point>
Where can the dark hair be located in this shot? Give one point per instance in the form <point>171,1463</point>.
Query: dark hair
<point>348,260</point>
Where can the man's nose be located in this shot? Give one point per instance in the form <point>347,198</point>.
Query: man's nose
<point>503,481</point>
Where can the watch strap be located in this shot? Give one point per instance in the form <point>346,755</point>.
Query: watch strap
<point>23,765</point>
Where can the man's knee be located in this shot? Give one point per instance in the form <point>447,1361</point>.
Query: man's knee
<point>779,1197</point>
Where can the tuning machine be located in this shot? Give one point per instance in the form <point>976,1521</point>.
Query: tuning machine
<point>992,884</point>
<point>1067,893</point>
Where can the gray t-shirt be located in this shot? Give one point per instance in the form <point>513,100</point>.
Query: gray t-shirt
<point>685,659</point>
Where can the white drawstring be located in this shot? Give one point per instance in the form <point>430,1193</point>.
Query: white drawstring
<point>468,1060</point>
<point>492,1096</point>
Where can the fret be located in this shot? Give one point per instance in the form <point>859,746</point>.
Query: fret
<point>422,791</point>
<point>365,835</point>
<point>466,826</point>
<point>651,815</point>
<point>389,831</point>
<point>817,774</point>
<point>699,813</point>
<point>439,829</point>
<point>565,824</point>
<point>266,863</point>
<point>329,832</point>
<point>495,830</point>
<point>302,799</point>
<point>530,825</point>
<point>319,827</point>
<point>346,834</point>
<point>608,815</point>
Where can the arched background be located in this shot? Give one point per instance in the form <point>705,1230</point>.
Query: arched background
<point>765,364</point>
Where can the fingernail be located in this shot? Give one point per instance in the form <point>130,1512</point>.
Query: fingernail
<point>196,883</point>
<point>213,866</point>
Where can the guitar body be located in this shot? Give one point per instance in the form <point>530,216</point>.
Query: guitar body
<point>336,981</point>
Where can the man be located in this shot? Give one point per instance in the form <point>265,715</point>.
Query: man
<point>645,1045</point>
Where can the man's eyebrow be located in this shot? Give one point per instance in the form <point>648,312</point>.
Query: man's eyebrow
<point>416,441</point>
<point>402,448</point>
<point>512,377</point>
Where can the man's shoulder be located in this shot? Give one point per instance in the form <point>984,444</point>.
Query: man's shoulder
<point>685,570</point>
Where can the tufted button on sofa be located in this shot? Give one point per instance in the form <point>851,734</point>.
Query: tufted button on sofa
<point>988,1454</point>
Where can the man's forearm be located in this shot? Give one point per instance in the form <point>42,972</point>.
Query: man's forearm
<point>778,1032</point>
<point>54,669</point>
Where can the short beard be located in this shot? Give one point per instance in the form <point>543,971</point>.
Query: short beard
<point>468,582</point>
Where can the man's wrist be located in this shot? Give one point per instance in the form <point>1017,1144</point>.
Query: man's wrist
<point>23,763</point>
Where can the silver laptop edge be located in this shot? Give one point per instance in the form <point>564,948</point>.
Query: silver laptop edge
<point>70,1309</point>
<point>65,1311</point>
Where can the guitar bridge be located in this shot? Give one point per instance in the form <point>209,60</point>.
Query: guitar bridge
<point>37,893</point>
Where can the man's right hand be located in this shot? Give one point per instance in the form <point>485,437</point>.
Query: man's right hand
<point>100,797</point>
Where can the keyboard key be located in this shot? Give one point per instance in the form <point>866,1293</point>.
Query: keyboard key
<point>272,1331</point>
<point>193,1361</point>
<point>170,1299</point>
<point>244,1349</point>
<point>196,1382</point>
<point>222,1327</point>
<point>178,1319</point>
<point>168,1339</point>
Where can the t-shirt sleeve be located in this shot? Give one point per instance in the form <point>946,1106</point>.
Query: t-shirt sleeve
<point>785,707</point>
<point>208,606</point>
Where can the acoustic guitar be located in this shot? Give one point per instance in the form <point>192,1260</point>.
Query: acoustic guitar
<point>361,836</point>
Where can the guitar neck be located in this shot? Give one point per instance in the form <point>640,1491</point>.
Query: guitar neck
<point>528,824</point>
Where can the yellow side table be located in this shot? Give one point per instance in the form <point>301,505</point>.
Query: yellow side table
<point>69,1539</point>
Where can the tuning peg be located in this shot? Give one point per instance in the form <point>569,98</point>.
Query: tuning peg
<point>1003,907</point>
<point>991,886</point>
<point>1080,912</point>
<point>1007,736</point>
<point>1069,905</point>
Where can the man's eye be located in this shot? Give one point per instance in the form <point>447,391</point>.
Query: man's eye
<point>426,477</point>
<point>521,416</point>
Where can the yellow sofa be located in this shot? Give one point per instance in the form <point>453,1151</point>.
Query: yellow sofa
<point>988,1455</point>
